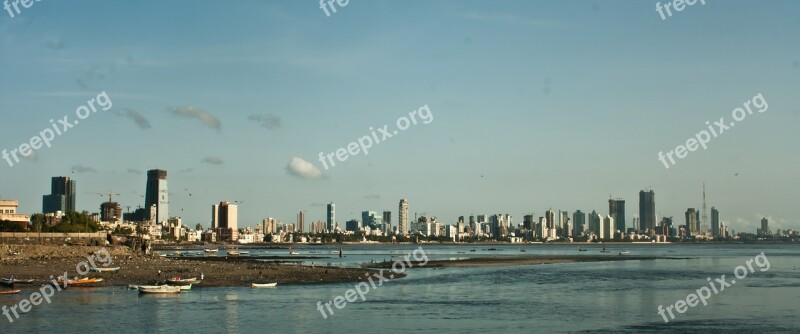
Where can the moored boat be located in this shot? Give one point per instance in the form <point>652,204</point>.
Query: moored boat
<point>10,292</point>
<point>161,289</point>
<point>209,250</point>
<point>12,280</point>
<point>183,287</point>
<point>261,286</point>
<point>86,281</point>
<point>182,281</point>
<point>104,270</point>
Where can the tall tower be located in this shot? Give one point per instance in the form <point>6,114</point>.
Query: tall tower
<point>647,210</point>
<point>62,195</point>
<point>715,227</point>
<point>616,209</point>
<point>704,222</point>
<point>225,217</point>
<point>331,217</point>
<point>156,194</point>
<point>301,221</point>
<point>403,217</point>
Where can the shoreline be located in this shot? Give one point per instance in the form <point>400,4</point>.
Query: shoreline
<point>42,263</point>
<point>496,261</point>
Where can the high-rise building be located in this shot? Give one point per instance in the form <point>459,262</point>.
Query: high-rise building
<point>764,227</point>
<point>402,219</point>
<point>608,228</point>
<point>550,218</point>
<point>692,221</point>
<point>331,217</point>
<point>156,195</point>
<point>579,223</point>
<point>563,223</point>
<point>301,222</point>
<point>62,195</point>
<point>715,230</point>
<point>616,209</point>
<point>225,220</point>
<point>371,219</point>
<point>387,221</point>
<point>110,212</point>
<point>595,224</point>
<point>647,210</point>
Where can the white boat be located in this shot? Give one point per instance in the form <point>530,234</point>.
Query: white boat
<point>180,281</point>
<point>208,250</point>
<point>244,252</point>
<point>624,252</point>
<point>294,252</point>
<point>182,287</point>
<point>234,253</point>
<point>104,270</point>
<point>161,289</point>
<point>261,286</point>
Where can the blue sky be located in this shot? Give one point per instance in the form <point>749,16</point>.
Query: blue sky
<point>536,104</point>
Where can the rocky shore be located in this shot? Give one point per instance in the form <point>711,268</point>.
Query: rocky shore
<point>40,263</point>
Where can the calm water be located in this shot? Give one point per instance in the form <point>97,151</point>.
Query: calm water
<point>578,297</point>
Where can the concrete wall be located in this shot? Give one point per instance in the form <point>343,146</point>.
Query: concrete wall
<point>89,239</point>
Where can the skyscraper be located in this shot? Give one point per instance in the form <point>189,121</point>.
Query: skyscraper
<point>616,209</point>
<point>331,217</point>
<point>402,218</point>
<point>301,222</point>
<point>715,231</point>
<point>578,223</point>
<point>692,221</point>
<point>156,195</point>
<point>62,195</point>
<point>765,227</point>
<point>550,217</point>
<point>225,220</point>
<point>387,221</point>
<point>647,210</point>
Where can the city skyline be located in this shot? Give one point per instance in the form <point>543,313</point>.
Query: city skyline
<point>536,104</point>
<point>156,185</point>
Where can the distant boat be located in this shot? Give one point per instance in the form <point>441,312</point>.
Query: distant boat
<point>244,252</point>
<point>182,287</point>
<point>581,249</point>
<point>161,289</point>
<point>12,280</point>
<point>104,270</point>
<point>208,250</point>
<point>181,281</point>
<point>261,286</point>
<point>234,253</point>
<point>461,252</point>
<point>334,252</point>
<point>79,282</point>
<point>624,252</point>
<point>522,250</point>
<point>294,252</point>
<point>9,292</point>
<point>472,250</point>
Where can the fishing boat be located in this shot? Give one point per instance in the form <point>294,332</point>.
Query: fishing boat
<point>624,252</point>
<point>293,252</point>
<point>12,280</point>
<point>86,281</point>
<point>234,253</point>
<point>161,289</point>
<point>182,287</point>
<point>261,286</point>
<point>181,281</point>
<point>9,292</point>
<point>209,250</point>
<point>104,270</point>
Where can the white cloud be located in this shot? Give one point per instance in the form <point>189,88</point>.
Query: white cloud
<point>303,169</point>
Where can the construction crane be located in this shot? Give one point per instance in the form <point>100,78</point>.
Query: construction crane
<point>109,194</point>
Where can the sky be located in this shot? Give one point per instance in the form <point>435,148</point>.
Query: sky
<point>534,105</point>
